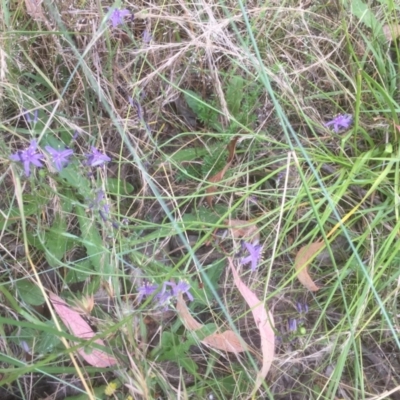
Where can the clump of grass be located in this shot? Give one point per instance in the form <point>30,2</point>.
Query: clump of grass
<point>159,96</point>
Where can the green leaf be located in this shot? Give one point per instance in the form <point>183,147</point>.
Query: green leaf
<point>29,292</point>
<point>14,215</point>
<point>188,154</point>
<point>365,15</point>
<point>81,271</point>
<point>172,347</point>
<point>213,272</point>
<point>194,101</point>
<point>56,242</point>
<point>47,341</point>
<point>118,187</point>
<point>93,242</point>
<point>234,94</point>
<point>74,176</point>
<point>190,366</point>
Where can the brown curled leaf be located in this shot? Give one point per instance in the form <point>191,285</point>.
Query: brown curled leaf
<point>265,324</point>
<point>226,341</point>
<point>302,261</point>
<point>220,175</point>
<point>81,329</point>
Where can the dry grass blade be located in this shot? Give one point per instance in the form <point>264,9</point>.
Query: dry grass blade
<point>303,258</point>
<point>35,10</point>
<point>220,175</point>
<point>81,329</point>
<point>265,323</point>
<point>226,341</point>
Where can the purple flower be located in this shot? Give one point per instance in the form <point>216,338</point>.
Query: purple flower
<point>167,292</point>
<point>254,255</point>
<point>60,157</point>
<point>96,158</point>
<point>147,36</point>
<point>302,308</point>
<point>28,156</point>
<point>182,287</point>
<point>292,324</point>
<point>117,16</point>
<point>104,212</point>
<point>30,119</point>
<point>146,290</point>
<point>340,122</point>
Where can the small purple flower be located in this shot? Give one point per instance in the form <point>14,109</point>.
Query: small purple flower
<point>104,213</point>
<point>60,157</point>
<point>167,292</point>
<point>117,16</point>
<point>302,308</point>
<point>340,122</point>
<point>254,255</point>
<point>147,36</point>
<point>32,119</point>
<point>96,158</point>
<point>28,156</point>
<point>146,290</point>
<point>182,287</point>
<point>292,324</point>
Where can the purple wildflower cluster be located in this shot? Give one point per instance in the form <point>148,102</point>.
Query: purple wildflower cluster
<point>117,16</point>
<point>163,294</point>
<point>59,158</point>
<point>254,254</point>
<point>341,122</point>
<point>28,156</point>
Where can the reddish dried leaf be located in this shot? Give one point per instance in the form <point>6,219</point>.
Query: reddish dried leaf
<point>190,323</point>
<point>303,259</point>
<point>225,341</point>
<point>220,175</point>
<point>34,9</point>
<point>81,329</point>
<point>265,323</point>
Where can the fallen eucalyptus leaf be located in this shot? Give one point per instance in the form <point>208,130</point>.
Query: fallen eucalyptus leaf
<point>303,258</point>
<point>265,323</point>
<point>226,341</point>
<point>81,329</point>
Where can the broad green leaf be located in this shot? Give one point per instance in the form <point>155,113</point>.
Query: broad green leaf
<point>188,154</point>
<point>81,270</point>
<point>14,215</point>
<point>118,187</point>
<point>365,15</point>
<point>93,242</point>
<point>57,244</point>
<point>213,272</point>
<point>234,94</point>
<point>29,292</point>
<point>194,101</point>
